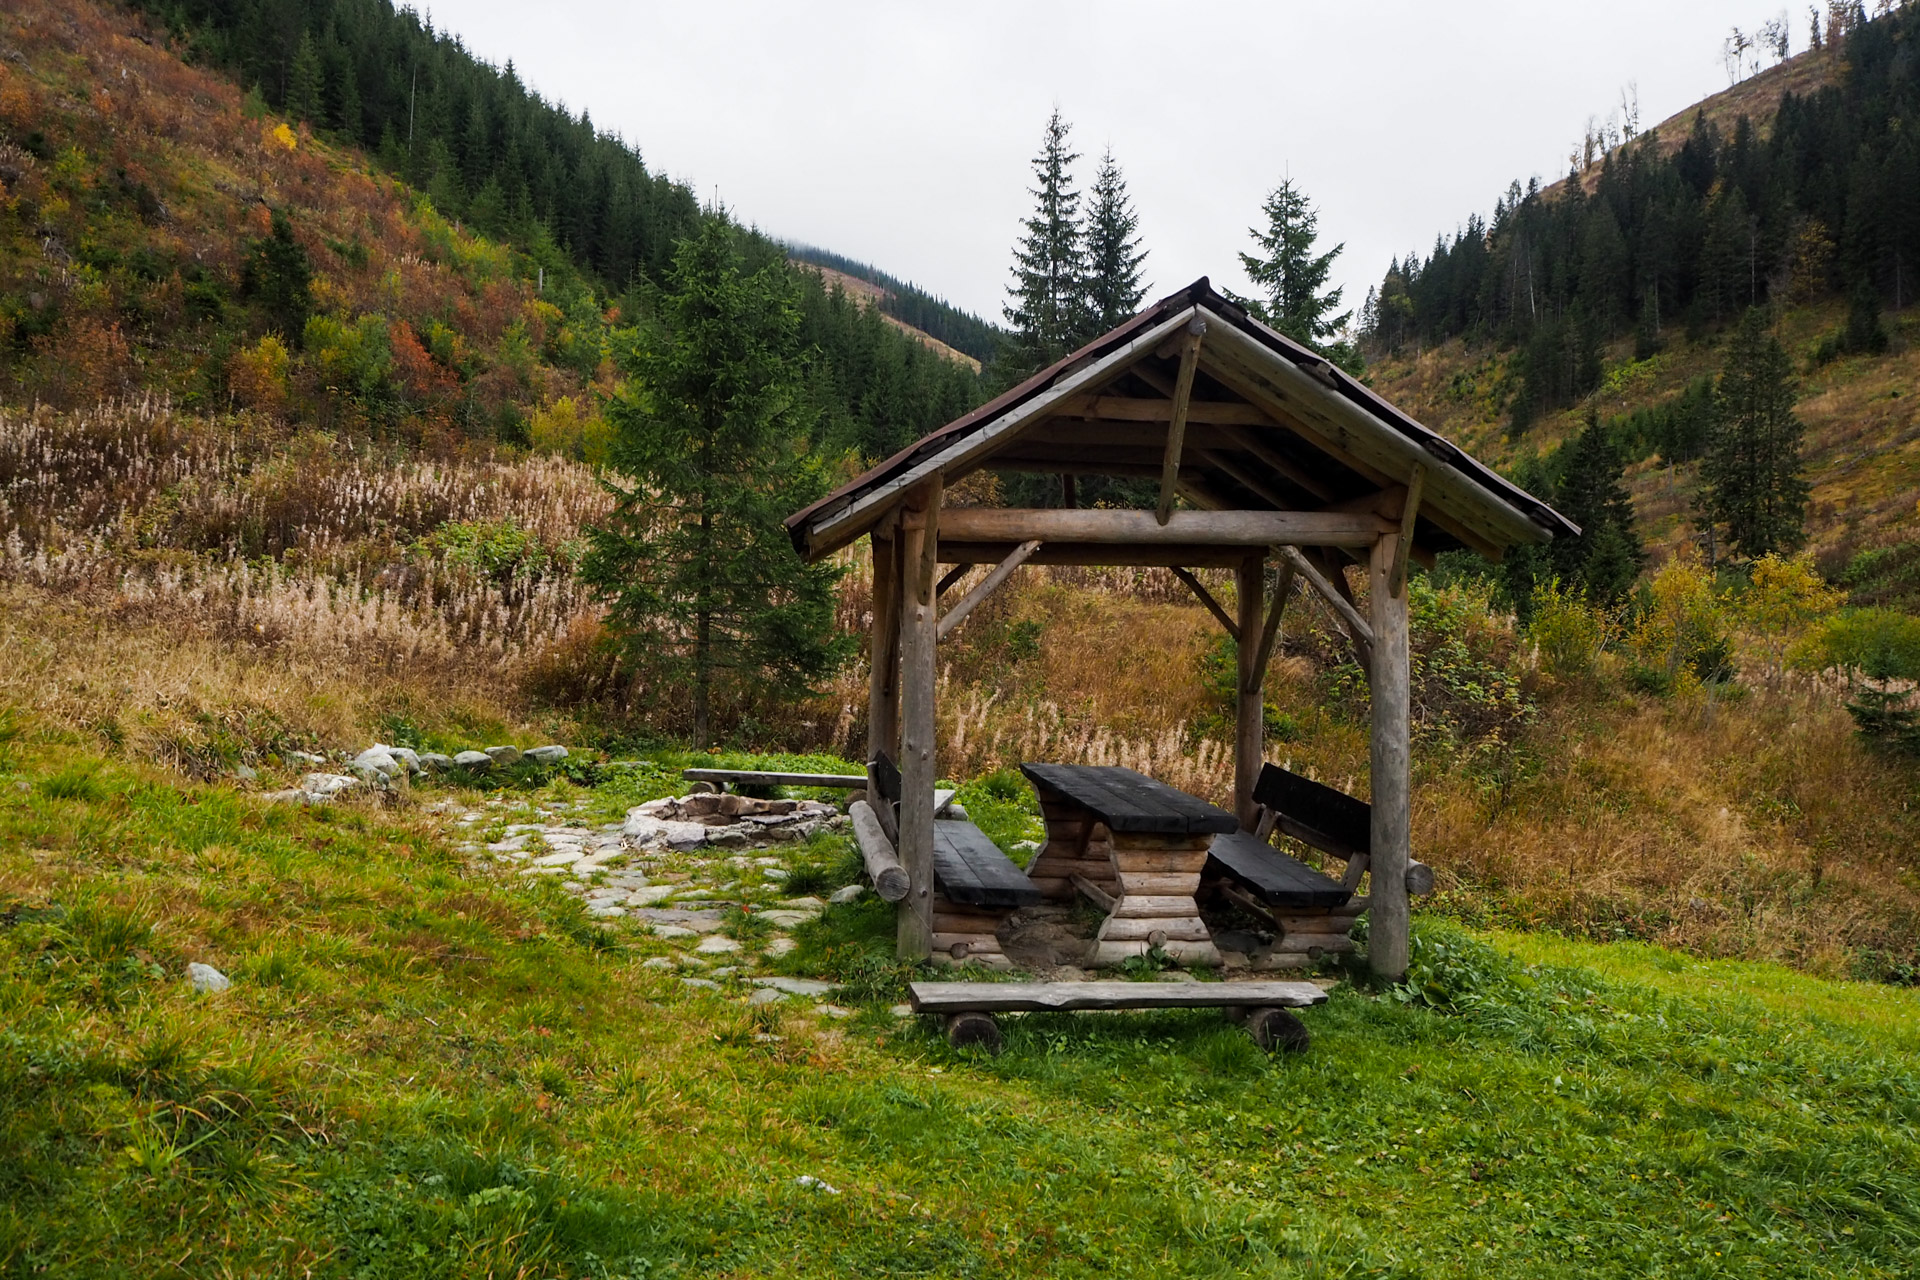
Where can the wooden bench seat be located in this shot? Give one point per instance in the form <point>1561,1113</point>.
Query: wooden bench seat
<point>968,1007</point>
<point>975,887</point>
<point>1275,878</point>
<point>968,868</point>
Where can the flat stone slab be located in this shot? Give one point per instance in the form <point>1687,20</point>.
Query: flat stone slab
<point>704,921</point>
<point>716,944</point>
<point>796,986</point>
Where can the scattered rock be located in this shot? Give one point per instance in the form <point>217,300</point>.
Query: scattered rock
<point>206,978</point>
<point>644,831</point>
<point>780,947</point>
<point>605,909</point>
<point>672,931</point>
<point>901,1011</point>
<point>787,919</point>
<point>551,754</point>
<point>505,757</point>
<point>705,984</point>
<point>651,894</point>
<point>302,757</point>
<point>434,762</point>
<point>243,773</point>
<point>315,788</point>
<point>766,995</point>
<point>477,761</point>
<point>656,962</point>
<point>812,1183</point>
<point>833,1011</point>
<point>850,893</point>
<point>376,764</point>
<point>716,944</point>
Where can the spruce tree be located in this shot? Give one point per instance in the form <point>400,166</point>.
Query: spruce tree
<point>1751,473</point>
<point>1294,277</point>
<point>306,83</point>
<point>711,426</point>
<point>1606,558</point>
<point>1047,299</point>
<point>1114,255</point>
<point>279,276</point>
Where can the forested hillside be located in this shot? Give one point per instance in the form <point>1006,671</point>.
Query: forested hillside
<point>1615,292</point>
<point>165,230</point>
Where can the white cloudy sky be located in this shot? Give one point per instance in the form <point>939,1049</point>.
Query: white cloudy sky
<point>900,133</point>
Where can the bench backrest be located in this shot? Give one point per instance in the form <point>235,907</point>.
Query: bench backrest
<point>885,776</point>
<point>1314,814</point>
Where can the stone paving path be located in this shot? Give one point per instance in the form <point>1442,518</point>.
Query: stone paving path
<point>672,870</point>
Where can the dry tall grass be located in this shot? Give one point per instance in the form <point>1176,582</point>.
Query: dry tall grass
<point>200,591</point>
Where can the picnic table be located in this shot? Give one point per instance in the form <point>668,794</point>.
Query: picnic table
<point>1133,846</point>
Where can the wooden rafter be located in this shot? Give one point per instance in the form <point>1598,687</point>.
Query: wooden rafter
<point>1177,426</point>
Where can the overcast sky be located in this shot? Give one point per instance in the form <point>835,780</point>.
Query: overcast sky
<point>900,134</point>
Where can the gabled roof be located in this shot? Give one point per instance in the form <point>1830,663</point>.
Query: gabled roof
<point>1272,426</point>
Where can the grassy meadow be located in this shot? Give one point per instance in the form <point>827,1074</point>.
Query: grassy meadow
<point>422,1069</point>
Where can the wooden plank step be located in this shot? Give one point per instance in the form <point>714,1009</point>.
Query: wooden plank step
<point>970,870</point>
<point>1275,878</point>
<point>942,796</point>
<point>1040,997</point>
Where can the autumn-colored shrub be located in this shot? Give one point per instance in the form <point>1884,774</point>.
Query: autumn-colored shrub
<point>257,375</point>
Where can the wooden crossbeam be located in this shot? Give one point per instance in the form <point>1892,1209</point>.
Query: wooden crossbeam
<point>1177,427</point>
<point>1217,413</point>
<point>1222,527</point>
<point>986,587</point>
<point>1206,598</point>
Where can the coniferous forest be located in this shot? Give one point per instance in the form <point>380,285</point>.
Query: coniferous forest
<point>487,150</point>
<point>1825,200</point>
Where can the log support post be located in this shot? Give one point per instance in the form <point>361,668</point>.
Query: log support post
<point>919,627</point>
<point>1250,712</point>
<point>883,691</point>
<point>1392,766</point>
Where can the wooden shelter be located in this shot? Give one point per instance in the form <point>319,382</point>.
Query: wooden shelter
<point>1266,457</point>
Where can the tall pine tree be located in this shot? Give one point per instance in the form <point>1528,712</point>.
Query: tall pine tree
<point>1606,558</point>
<point>1753,484</point>
<point>1294,277</point>
<point>1046,301</point>
<point>712,426</point>
<point>1113,288</point>
<point>306,82</point>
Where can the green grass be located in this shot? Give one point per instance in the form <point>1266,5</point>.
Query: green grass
<point>420,1072</point>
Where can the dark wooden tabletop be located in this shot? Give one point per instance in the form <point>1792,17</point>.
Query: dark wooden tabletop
<point>1130,801</point>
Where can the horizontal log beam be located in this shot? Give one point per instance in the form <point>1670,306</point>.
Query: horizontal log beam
<point>1215,413</point>
<point>1095,554</point>
<point>1183,528</point>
